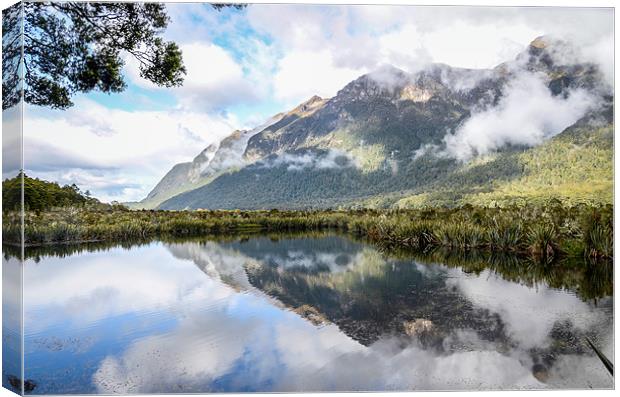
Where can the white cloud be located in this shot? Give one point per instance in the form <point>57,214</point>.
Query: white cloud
<point>529,314</point>
<point>305,27</point>
<point>106,184</point>
<point>302,74</point>
<point>214,80</point>
<point>11,142</point>
<point>299,161</point>
<point>362,37</point>
<point>477,46</point>
<point>601,52</point>
<point>141,147</point>
<point>526,115</point>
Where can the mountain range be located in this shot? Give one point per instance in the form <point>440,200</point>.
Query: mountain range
<point>534,128</point>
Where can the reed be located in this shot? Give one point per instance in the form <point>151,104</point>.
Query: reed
<point>533,230</point>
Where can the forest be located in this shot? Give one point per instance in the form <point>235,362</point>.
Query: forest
<point>40,195</point>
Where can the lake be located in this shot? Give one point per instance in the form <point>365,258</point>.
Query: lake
<point>301,313</point>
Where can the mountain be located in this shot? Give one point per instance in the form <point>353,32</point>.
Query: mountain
<point>265,142</point>
<point>384,140</point>
<point>214,159</point>
<point>182,177</point>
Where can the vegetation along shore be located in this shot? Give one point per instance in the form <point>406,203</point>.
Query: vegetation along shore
<point>542,231</point>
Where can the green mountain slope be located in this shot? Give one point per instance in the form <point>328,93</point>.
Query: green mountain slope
<point>574,166</point>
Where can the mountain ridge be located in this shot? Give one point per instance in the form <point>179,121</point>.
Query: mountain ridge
<point>380,121</point>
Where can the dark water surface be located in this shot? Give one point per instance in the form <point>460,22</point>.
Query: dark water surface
<point>322,313</point>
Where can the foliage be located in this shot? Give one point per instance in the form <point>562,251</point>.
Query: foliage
<point>12,20</point>
<point>71,47</point>
<point>40,195</point>
<point>542,233</point>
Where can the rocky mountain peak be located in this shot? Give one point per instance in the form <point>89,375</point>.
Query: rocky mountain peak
<point>386,81</point>
<point>307,107</point>
<point>206,154</point>
<point>541,42</point>
<point>234,136</point>
<point>547,53</point>
<point>388,72</point>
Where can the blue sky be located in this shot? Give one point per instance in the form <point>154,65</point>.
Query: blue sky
<point>246,65</point>
<point>203,25</point>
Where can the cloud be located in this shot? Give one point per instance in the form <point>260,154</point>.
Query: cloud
<point>144,145</point>
<point>11,142</point>
<point>389,78</point>
<point>214,80</point>
<point>463,79</point>
<point>106,184</point>
<point>299,161</point>
<point>360,38</point>
<point>530,321</point>
<point>305,28</point>
<point>601,52</point>
<point>302,74</point>
<point>566,52</point>
<point>526,115</point>
<point>44,157</point>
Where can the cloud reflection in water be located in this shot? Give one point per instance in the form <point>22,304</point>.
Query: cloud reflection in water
<point>226,316</point>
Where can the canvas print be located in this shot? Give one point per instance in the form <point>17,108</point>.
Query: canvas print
<point>209,198</point>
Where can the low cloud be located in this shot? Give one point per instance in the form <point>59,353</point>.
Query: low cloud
<point>230,154</point>
<point>526,115</point>
<point>299,161</point>
<point>389,77</point>
<point>564,51</point>
<point>463,79</point>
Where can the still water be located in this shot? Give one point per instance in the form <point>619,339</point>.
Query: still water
<point>301,313</point>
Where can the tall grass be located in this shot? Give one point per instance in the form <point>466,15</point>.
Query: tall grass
<point>539,231</point>
<point>597,233</point>
<point>543,240</point>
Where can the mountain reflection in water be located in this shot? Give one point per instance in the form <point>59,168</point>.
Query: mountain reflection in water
<point>303,314</point>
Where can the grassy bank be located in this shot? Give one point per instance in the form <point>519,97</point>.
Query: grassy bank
<point>541,232</point>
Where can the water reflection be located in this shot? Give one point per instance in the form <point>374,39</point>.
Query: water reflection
<point>298,314</point>
<point>12,324</point>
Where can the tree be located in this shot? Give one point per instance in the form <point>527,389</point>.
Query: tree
<point>40,195</point>
<point>71,47</point>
